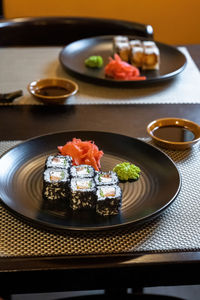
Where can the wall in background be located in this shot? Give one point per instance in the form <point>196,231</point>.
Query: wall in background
<point>1,10</point>
<point>174,21</point>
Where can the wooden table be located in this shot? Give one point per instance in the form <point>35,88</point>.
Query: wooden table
<point>44,274</point>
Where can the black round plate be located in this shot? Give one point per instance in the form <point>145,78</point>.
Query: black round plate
<point>22,169</point>
<point>72,58</point>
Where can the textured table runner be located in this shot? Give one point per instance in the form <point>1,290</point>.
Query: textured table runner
<point>176,229</point>
<point>19,66</point>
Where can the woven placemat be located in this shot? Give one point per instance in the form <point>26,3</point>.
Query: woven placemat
<point>177,229</point>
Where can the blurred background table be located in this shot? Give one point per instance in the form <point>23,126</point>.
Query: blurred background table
<point>41,119</point>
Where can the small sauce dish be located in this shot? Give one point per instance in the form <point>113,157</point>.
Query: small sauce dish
<point>174,133</point>
<point>52,90</point>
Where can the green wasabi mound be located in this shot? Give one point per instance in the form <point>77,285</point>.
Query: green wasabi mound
<point>126,171</point>
<point>94,61</point>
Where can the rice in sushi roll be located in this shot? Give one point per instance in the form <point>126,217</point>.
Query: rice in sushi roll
<point>120,38</point>
<point>82,171</point>
<point>58,161</point>
<point>149,44</point>
<point>135,43</point>
<point>106,178</point>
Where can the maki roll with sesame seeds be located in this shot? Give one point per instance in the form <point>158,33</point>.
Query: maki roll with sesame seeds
<point>58,161</point>
<point>82,171</point>
<point>108,200</point>
<point>83,193</point>
<point>106,178</point>
<point>56,189</point>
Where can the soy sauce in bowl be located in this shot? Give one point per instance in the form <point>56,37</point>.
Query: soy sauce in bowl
<point>174,133</point>
<point>53,91</point>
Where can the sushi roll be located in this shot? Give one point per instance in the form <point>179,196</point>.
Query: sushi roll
<point>120,38</point>
<point>83,193</point>
<point>58,161</point>
<point>137,56</point>
<point>56,188</point>
<point>108,200</point>
<point>106,178</point>
<point>122,48</point>
<point>151,59</point>
<point>135,43</point>
<point>149,44</point>
<point>82,171</point>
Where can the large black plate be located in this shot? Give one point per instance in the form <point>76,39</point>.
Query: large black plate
<point>21,180</point>
<point>72,58</point>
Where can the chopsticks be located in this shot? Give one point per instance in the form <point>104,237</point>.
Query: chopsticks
<point>10,97</point>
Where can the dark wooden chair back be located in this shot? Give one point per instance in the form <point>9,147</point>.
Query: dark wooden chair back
<point>64,30</point>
